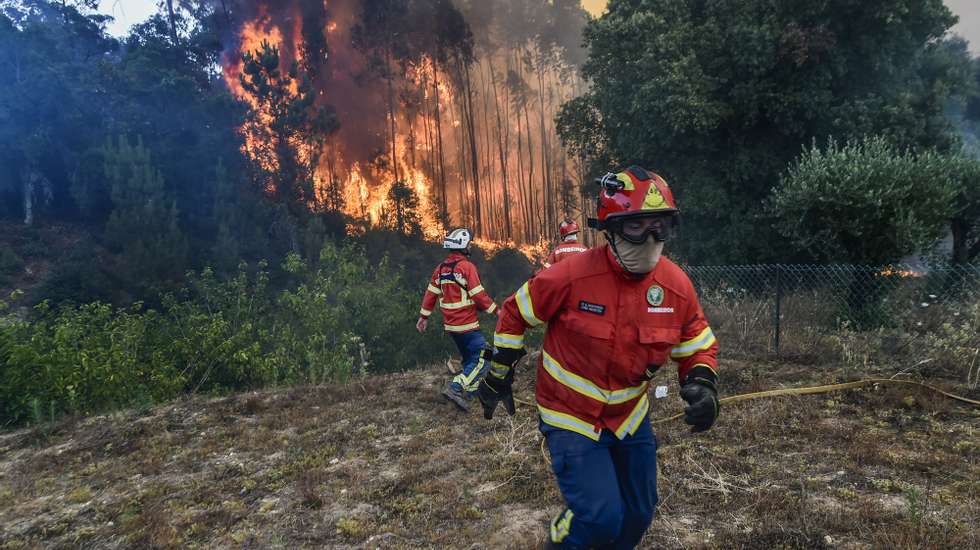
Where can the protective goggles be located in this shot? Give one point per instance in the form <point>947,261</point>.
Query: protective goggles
<point>636,229</point>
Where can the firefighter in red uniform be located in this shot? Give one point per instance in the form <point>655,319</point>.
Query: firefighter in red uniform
<point>568,233</point>
<point>614,315</point>
<point>455,284</point>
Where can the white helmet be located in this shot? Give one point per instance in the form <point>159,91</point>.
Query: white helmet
<point>457,239</point>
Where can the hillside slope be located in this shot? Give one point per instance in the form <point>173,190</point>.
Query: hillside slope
<point>384,463</point>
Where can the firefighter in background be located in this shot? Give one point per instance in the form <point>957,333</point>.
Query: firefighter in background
<point>455,284</point>
<point>568,233</point>
<point>614,315</point>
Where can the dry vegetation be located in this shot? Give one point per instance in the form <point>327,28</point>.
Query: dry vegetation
<point>384,463</point>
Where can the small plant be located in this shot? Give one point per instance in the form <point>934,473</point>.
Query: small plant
<point>913,504</point>
<point>956,344</point>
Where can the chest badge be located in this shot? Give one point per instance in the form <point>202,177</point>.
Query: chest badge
<point>655,295</point>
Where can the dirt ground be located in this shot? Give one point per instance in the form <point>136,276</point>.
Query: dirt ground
<point>385,463</point>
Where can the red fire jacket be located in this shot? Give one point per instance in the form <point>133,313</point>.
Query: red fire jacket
<point>604,331</point>
<point>456,285</point>
<point>563,251</point>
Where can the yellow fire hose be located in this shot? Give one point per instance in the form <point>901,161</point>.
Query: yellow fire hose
<point>803,391</point>
<point>826,389</point>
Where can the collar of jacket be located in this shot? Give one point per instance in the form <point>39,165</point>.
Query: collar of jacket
<point>618,269</point>
<point>453,256</point>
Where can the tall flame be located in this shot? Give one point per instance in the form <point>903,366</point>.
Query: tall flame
<point>411,122</point>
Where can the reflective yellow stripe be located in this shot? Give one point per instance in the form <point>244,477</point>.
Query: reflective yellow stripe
<point>499,370</point>
<point>512,341</point>
<point>470,382</point>
<point>567,422</point>
<point>702,341</point>
<point>561,525</point>
<point>425,312</point>
<point>572,380</point>
<point>492,308</point>
<point>632,421</point>
<point>476,290</point>
<point>524,304</point>
<point>586,387</point>
<point>462,328</point>
<point>546,265</point>
<point>455,305</point>
<point>434,289</point>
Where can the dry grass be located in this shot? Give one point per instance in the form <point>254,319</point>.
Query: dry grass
<point>385,463</point>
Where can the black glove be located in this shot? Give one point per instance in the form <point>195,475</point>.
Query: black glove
<point>700,390</point>
<point>495,388</point>
<point>651,372</point>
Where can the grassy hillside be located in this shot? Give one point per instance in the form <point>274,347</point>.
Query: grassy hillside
<point>384,463</point>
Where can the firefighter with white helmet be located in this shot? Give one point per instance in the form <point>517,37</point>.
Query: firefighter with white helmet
<point>569,245</point>
<point>613,316</point>
<point>455,287</point>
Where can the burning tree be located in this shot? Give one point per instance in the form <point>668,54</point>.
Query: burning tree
<point>402,215</point>
<point>285,129</point>
<point>422,92</point>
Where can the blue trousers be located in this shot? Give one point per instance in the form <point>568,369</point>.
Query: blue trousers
<point>470,346</point>
<point>609,486</point>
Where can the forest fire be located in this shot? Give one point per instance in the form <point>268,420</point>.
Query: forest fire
<point>402,120</point>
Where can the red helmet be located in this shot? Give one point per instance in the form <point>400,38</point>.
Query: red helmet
<point>634,192</point>
<point>567,228</point>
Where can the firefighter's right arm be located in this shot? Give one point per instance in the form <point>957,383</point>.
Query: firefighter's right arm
<point>432,293</point>
<point>536,302</point>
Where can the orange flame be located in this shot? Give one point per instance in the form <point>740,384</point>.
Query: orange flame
<point>892,271</point>
<point>428,133</point>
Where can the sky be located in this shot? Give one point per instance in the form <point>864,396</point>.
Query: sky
<point>127,13</point>
<point>130,12</point>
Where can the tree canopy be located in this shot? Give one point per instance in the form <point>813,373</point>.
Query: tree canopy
<point>865,202</point>
<point>720,96</point>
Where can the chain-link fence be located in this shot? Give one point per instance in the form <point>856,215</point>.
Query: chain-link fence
<point>844,313</point>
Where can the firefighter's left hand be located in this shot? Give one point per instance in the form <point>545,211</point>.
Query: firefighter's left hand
<point>495,390</point>
<point>421,324</point>
<point>700,390</point>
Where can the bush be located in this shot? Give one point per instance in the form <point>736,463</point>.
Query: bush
<point>215,330</point>
<point>83,359</point>
<point>81,276</point>
<point>865,202</point>
<point>955,347</point>
<point>343,316</point>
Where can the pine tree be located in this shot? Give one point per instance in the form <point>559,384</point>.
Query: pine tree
<point>143,226</point>
<point>403,213</point>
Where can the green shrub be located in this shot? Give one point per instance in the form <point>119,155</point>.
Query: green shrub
<point>342,316</point>
<point>351,315</point>
<point>955,346</point>
<point>215,330</point>
<point>83,359</point>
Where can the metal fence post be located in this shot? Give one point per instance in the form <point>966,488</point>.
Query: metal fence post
<point>779,298</point>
